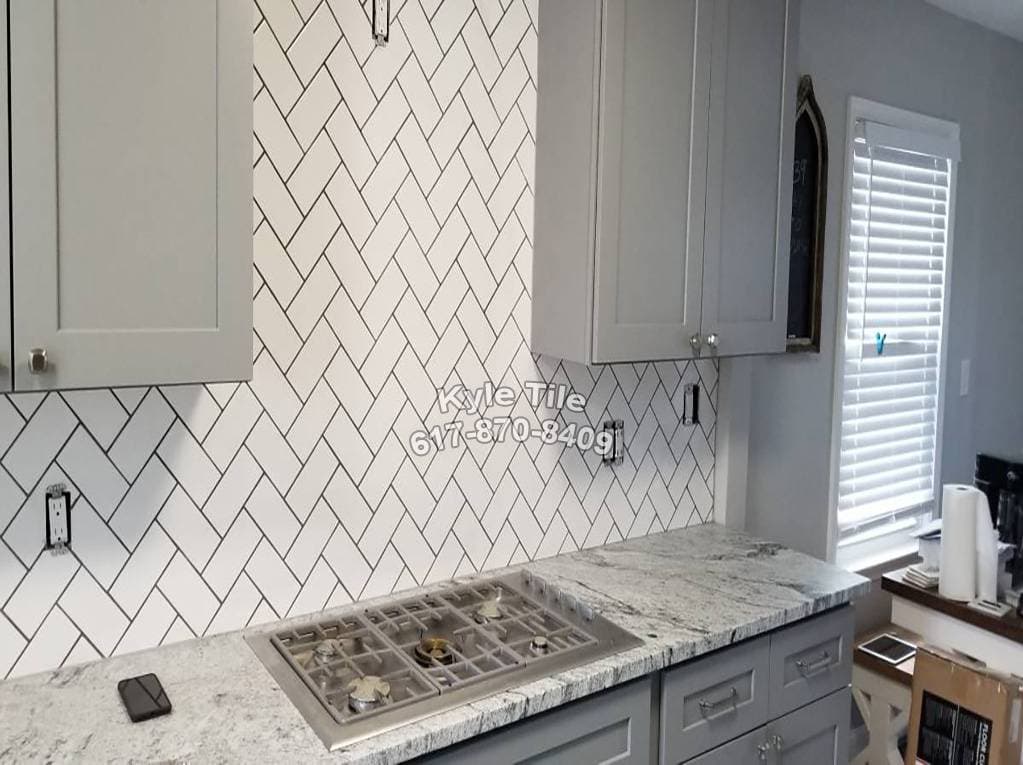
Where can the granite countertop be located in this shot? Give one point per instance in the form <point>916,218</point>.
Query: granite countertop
<point>685,592</point>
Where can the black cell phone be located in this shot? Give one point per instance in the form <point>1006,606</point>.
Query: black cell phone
<point>144,697</point>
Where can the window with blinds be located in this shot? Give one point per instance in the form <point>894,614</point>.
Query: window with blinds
<point>890,360</point>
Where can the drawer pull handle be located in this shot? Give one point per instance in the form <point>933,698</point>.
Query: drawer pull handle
<point>809,668</point>
<point>708,708</point>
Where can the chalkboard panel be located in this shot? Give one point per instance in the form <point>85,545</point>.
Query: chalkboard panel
<point>806,253</point>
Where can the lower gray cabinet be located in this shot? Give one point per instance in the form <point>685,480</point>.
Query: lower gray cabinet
<point>751,748</point>
<point>712,700</point>
<point>610,727</point>
<point>810,659</point>
<point>778,699</point>
<point>817,734</point>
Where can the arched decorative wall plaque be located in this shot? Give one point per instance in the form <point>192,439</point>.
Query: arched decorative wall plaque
<point>809,205</point>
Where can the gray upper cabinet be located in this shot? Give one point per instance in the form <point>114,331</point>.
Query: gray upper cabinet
<point>6,374</point>
<point>749,184</point>
<point>651,160</point>
<point>131,192</point>
<point>662,188</point>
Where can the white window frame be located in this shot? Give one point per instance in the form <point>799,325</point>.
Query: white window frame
<point>946,132</point>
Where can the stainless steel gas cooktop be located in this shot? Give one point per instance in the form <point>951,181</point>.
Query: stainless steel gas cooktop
<point>364,673</point>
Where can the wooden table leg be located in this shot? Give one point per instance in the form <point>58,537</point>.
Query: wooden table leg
<point>884,705</point>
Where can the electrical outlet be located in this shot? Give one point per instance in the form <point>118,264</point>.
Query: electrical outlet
<point>58,518</point>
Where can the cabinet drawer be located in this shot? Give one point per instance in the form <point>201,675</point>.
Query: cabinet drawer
<point>713,700</point>
<point>613,726</point>
<point>810,659</point>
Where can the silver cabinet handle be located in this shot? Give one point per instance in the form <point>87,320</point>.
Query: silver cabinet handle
<point>779,743</point>
<point>763,749</point>
<point>809,668</point>
<point>712,340</point>
<point>708,707</point>
<point>37,361</point>
<point>695,342</point>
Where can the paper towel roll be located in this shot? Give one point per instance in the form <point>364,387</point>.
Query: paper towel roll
<point>958,575</point>
<point>987,551</point>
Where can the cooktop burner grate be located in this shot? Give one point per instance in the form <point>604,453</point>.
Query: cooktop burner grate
<point>356,651</point>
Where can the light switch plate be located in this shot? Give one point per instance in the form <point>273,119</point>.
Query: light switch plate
<point>964,377</point>
<point>691,405</point>
<point>615,431</point>
<point>381,21</point>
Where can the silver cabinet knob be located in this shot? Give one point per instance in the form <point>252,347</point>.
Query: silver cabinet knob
<point>695,341</point>
<point>37,361</point>
<point>713,339</point>
<point>779,743</point>
<point>763,750</point>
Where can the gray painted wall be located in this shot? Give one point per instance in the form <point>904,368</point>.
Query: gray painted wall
<point>910,55</point>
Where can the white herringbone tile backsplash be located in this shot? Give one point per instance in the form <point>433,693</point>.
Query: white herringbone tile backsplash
<point>392,225</point>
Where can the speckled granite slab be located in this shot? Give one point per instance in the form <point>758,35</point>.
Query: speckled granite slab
<point>684,592</point>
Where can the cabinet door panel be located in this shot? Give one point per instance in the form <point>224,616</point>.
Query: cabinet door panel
<point>749,183</point>
<point>6,379</point>
<point>131,130</point>
<point>750,749</point>
<point>652,160</point>
<point>817,734</point>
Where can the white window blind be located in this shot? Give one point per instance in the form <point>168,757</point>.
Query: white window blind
<point>897,256</point>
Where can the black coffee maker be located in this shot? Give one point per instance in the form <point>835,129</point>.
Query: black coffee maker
<point>1001,479</point>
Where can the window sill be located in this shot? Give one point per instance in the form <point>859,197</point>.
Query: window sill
<point>874,565</point>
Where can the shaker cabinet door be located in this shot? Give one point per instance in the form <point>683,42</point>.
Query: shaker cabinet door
<point>749,177</point>
<point>751,749</point>
<point>817,734</point>
<point>652,159</point>
<point>131,191</point>
<point>6,374</point>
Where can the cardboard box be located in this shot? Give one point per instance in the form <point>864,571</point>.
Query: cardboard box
<point>963,713</point>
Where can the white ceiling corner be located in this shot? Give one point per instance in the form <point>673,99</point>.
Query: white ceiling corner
<point>1004,16</point>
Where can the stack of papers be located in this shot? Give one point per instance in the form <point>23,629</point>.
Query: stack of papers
<point>922,577</point>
